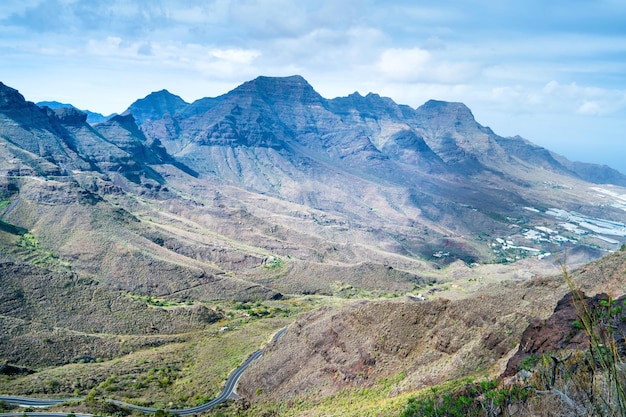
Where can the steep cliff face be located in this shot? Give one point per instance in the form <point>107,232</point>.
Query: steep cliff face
<point>11,98</point>
<point>33,130</point>
<point>155,113</point>
<point>287,116</point>
<point>70,116</point>
<point>368,134</point>
<point>452,132</point>
<point>59,141</point>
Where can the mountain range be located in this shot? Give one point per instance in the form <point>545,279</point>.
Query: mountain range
<point>273,169</point>
<point>270,192</point>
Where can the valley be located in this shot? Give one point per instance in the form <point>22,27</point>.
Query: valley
<point>145,256</point>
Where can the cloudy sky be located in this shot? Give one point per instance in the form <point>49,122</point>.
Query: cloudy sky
<point>552,71</point>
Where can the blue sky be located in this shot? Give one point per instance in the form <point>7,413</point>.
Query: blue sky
<point>553,71</point>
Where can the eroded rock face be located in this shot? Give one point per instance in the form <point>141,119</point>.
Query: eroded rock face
<point>10,97</point>
<point>562,331</point>
<point>156,105</point>
<point>70,116</point>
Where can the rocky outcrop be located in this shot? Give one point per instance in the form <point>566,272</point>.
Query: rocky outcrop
<point>92,117</point>
<point>156,105</point>
<point>10,97</point>
<point>70,116</point>
<point>563,330</point>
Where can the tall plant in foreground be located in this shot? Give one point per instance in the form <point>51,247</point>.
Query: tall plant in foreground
<point>605,390</point>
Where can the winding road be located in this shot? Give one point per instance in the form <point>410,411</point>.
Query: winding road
<point>36,402</point>
<point>43,414</point>
<point>227,392</point>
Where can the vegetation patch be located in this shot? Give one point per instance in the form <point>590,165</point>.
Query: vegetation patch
<point>473,399</point>
<point>156,301</point>
<point>273,263</point>
<point>349,291</point>
<point>261,309</point>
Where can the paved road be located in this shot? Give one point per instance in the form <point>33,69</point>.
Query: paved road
<point>36,402</point>
<point>227,392</point>
<point>43,414</point>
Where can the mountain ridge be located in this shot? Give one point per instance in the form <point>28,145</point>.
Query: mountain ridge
<point>421,119</point>
<point>92,117</point>
<point>419,179</point>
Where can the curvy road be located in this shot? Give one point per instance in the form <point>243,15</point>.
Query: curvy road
<point>227,392</point>
<point>36,402</point>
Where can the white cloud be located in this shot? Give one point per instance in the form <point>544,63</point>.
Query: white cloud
<point>514,97</point>
<point>201,13</point>
<point>210,61</point>
<point>549,98</point>
<point>236,56</point>
<point>323,51</point>
<point>408,65</point>
<point>271,18</point>
<point>592,108</point>
<point>420,65</point>
<point>551,87</point>
<point>585,100</point>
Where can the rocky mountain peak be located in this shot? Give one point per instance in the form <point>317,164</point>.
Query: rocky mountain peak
<point>155,105</point>
<point>10,97</point>
<point>70,116</point>
<point>372,104</point>
<point>449,129</point>
<point>444,110</point>
<point>441,118</point>
<point>171,102</point>
<point>292,89</point>
<point>126,121</point>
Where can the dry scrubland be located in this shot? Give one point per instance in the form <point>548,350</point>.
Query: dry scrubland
<point>362,344</point>
<point>447,358</point>
<point>343,357</point>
